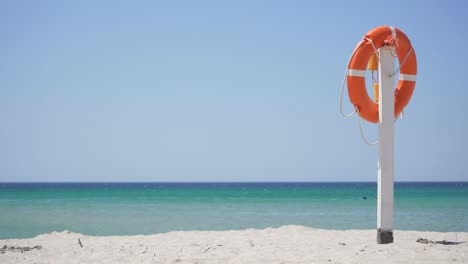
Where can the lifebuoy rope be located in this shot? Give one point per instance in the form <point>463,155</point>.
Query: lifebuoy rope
<point>392,41</point>
<point>403,62</point>
<point>362,132</point>
<point>401,116</point>
<point>394,44</point>
<point>344,80</point>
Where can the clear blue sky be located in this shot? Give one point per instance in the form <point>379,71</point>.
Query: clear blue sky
<point>219,91</point>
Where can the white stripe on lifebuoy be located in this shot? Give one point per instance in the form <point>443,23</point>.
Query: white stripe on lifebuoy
<point>407,77</point>
<point>356,73</point>
<point>393,31</point>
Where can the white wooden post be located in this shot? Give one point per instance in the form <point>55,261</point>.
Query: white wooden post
<point>386,147</point>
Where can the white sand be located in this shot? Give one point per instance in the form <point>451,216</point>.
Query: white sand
<point>288,244</point>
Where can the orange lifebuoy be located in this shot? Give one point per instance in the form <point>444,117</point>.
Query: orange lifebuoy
<point>373,40</point>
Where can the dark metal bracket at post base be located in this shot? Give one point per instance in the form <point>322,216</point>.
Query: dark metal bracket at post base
<point>384,237</point>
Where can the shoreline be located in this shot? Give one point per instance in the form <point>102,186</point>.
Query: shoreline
<point>289,244</point>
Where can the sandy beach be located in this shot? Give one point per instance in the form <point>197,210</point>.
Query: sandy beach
<point>287,244</point>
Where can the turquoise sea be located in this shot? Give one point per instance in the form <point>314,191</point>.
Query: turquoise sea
<point>29,209</point>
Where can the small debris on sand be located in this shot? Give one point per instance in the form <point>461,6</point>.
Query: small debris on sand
<point>443,242</point>
<point>206,249</point>
<point>5,249</point>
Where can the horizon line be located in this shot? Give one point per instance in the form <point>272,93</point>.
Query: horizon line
<point>447,181</point>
